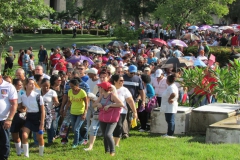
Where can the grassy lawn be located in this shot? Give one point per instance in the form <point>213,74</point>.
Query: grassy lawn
<point>142,146</point>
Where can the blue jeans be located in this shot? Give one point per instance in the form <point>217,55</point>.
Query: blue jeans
<point>170,119</point>
<point>94,127</point>
<point>4,142</point>
<point>67,118</point>
<point>52,132</point>
<point>76,122</point>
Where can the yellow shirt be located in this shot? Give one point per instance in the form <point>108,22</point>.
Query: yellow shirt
<point>78,105</point>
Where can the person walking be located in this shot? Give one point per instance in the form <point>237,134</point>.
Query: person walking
<point>8,103</point>
<point>77,99</point>
<point>35,116</point>
<point>104,102</point>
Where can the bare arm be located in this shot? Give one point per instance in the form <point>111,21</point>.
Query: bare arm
<point>143,96</point>
<point>170,99</point>
<point>131,103</point>
<point>117,102</point>
<point>41,127</point>
<point>13,109</point>
<point>55,101</point>
<point>64,101</point>
<point>85,99</point>
<point>97,102</point>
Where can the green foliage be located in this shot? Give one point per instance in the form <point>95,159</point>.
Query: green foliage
<point>124,34</point>
<point>222,54</point>
<point>227,81</point>
<point>23,13</point>
<point>178,13</point>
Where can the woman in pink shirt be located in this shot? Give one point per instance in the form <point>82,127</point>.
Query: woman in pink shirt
<point>159,84</point>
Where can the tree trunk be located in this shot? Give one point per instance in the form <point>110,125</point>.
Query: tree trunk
<point>82,26</point>
<point>137,22</point>
<point>178,29</point>
<point>1,52</point>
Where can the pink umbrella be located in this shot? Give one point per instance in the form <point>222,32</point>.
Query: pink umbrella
<point>205,27</point>
<point>176,42</point>
<point>158,41</point>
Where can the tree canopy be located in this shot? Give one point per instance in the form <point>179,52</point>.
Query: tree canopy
<point>19,14</point>
<point>178,13</point>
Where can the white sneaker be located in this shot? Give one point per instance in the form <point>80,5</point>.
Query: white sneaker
<point>165,135</point>
<point>142,130</point>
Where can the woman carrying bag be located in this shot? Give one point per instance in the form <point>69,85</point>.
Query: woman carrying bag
<point>110,108</point>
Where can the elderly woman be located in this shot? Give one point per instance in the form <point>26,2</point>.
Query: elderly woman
<point>105,101</point>
<point>169,104</point>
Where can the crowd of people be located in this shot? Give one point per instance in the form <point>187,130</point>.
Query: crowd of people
<point>99,98</point>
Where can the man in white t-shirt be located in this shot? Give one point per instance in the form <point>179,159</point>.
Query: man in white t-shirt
<point>39,71</point>
<point>8,103</point>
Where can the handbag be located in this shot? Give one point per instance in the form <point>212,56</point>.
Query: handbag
<point>152,103</point>
<point>111,115</point>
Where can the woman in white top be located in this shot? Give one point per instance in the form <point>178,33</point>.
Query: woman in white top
<point>126,97</point>
<point>35,118</point>
<point>159,84</point>
<point>169,104</point>
<point>50,99</point>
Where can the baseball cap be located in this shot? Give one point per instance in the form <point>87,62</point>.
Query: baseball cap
<point>126,44</point>
<point>69,65</point>
<point>158,72</point>
<point>74,45</point>
<point>105,85</point>
<point>147,69</point>
<point>92,70</point>
<point>142,45</point>
<point>132,68</point>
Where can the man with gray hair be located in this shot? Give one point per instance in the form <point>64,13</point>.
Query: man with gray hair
<point>20,74</point>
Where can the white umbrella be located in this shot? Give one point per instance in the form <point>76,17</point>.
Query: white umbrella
<point>225,27</point>
<point>213,30</point>
<point>97,50</point>
<point>193,27</point>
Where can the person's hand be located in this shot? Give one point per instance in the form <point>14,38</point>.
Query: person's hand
<point>99,105</point>
<point>143,104</point>
<point>106,107</point>
<point>7,124</point>
<point>170,101</point>
<point>56,104</point>
<point>84,116</point>
<point>135,115</point>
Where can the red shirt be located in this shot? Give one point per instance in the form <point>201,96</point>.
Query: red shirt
<point>234,41</point>
<point>55,58</point>
<point>205,85</point>
<point>61,66</point>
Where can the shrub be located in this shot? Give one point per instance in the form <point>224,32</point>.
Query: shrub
<point>222,54</point>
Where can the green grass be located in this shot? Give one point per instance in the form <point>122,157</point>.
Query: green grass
<point>23,41</point>
<point>142,146</point>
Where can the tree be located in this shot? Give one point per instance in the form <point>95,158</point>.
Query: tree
<point>178,13</point>
<point>234,12</point>
<point>18,14</point>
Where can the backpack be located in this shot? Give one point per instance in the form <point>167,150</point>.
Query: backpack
<point>48,114</point>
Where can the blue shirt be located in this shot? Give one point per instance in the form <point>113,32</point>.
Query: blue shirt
<point>82,85</point>
<point>42,54</point>
<point>25,62</point>
<point>150,91</point>
<point>85,78</point>
<point>150,60</point>
<point>177,53</point>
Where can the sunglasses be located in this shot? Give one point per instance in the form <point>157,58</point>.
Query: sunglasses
<point>80,68</point>
<point>121,80</point>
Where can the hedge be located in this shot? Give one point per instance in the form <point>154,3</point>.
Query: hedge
<point>222,54</point>
<point>64,31</point>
